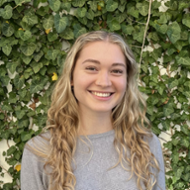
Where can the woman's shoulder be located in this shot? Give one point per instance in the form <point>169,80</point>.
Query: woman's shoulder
<point>153,140</point>
<point>155,145</point>
<point>42,138</point>
<point>38,145</point>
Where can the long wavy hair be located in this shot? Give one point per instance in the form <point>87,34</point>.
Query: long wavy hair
<point>131,126</point>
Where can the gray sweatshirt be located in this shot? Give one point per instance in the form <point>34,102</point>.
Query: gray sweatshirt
<point>91,168</point>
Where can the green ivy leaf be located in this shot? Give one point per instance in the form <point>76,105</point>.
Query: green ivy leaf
<point>139,35</point>
<point>28,72</point>
<point>183,60</point>
<point>114,25</point>
<point>19,81</point>
<point>163,19</point>
<point>127,29</point>
<point>28,49</point>
<point>185,129</point>
<point>7,49</point>
<point>143,8</point>
<point>42,11</point>
<point>20,113</point>
<point>52,36</point>
<point>23,123</point>
<point>121,17</point>
<point>174,32</point>
<point>93,5</point>
<point>54,5</point>
<point>173,84</point>
<point>166,124</point>
<point>12,97</point>
<point>25,136</point>
<point>60,23</point>
<point>7,12</point>
<point>38,56</point>
<point>36,66</point>
<point>7,29</point>
<point>81,12</point>
<point>186,20</point>
<point>25,35</point>
<point>12,66</point>
<point>48,22</point>
<point>67,34</point>
<point>156,4</point>
<point>78,30</point>
<point>175,157</point>
<point>187,94</point>
<point>26,59</point>
<point>111,5</point>
<point>183,5</point>
<point>6,107</point>
<point>66,5</point>
<point>78,3</point>
<point>122,7</point>
<point>11,150</point>
<point>52,54</point>
<point>5,80</point>
<point>2,2</point>
<point>168,110</point>
<point>19,2</point>
<point>132,11</point>
<point>161,28</point>
<point>90,15</point>
<point>30,19</point>
<point>37,85</point>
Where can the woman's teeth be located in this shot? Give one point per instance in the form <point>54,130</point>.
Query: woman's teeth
<point>101,94</point>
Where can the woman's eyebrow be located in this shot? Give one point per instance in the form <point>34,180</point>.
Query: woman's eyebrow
<point>119,64</point>
<point>91,60</point>
<point>98,62</point>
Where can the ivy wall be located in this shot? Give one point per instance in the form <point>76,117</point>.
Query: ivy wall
<point>34,38</point>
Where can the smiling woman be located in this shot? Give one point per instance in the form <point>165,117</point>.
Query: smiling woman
<point>97,135</point>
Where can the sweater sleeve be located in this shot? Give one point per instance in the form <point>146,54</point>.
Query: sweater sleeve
<point>33,175</point>
<point>156,149</point>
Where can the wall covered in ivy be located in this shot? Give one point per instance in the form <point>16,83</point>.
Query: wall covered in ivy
<point>34,38</point>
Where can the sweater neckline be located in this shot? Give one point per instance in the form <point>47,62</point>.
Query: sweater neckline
<point>100,135</point>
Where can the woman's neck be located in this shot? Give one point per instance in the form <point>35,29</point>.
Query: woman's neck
<point>94,123</point>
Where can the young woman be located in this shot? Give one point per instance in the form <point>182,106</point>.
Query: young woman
<point>97,136</point>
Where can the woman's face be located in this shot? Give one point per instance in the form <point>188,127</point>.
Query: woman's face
<point>99,77</point>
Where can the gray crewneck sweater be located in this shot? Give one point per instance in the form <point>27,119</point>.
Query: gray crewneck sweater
<point>91,166</point>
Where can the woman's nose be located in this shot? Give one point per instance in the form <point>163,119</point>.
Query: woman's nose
<point>103,79</point>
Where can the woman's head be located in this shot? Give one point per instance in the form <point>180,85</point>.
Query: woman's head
<point>65,82</point>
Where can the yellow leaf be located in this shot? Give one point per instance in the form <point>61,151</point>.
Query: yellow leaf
<point>18,167</point>
<point>7,22</point>
<point>54,77</point>
<point>99,8</point>
<point>48,31</point>
<point>21,29</point>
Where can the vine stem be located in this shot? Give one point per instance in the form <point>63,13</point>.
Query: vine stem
<point>6,171</point>
<point>145,32</point>
<point>18,5</point>
<point>163,139</point>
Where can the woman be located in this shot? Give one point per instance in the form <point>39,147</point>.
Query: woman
<point>97,136</point>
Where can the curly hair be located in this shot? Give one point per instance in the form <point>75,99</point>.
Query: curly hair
<point>131,126</point>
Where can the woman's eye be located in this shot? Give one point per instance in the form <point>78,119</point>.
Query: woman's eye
<point>91,68</point>
<point>117,71</point>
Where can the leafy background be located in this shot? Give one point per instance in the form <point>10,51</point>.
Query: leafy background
<point>34,38</point>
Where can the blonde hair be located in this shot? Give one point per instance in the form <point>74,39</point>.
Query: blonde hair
<point>128,119</point>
